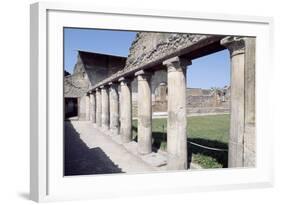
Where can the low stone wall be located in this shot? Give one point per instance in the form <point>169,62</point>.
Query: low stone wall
<point>162,107</point>
<point>206,110</point>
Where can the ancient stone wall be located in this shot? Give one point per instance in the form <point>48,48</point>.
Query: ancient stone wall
<point>201,101</point>
<point>150,46</point>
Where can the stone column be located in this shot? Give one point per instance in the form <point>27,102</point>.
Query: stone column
<point>104,107</point>
<point>98,107</point>
<point>90,105</point>
<point>236,46</point>
<point>93,107</point>
<point>250,121</point>
<point>114,108</point>
<point>144,113</point>
<point>126,110</point>
<point>177,122</point>
<point>87,107</point>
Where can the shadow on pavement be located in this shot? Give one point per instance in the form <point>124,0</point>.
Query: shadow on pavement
<point>79,159</point>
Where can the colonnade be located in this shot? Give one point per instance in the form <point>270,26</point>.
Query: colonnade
<point>112,110</point>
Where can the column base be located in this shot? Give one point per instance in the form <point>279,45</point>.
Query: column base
<point>235,154</point>
<point>114,131</point>
<point>125,139</point>
<point>143,151</point>
<point>176,163</point>
<point>249,146</point>
<point>105,128</point>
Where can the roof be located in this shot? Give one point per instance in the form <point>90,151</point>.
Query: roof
<point>99,54</point>
<point>93,61</point>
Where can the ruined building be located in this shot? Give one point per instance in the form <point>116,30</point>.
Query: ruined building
<point>94,67</point>
<point>89,69</point>
<point>105,89</point>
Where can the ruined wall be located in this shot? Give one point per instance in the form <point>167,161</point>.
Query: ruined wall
<point>207,100</point>
<point>147,47</point>
<point>199,101</point>
<point>89,69</point>
<point>150,46</point>
<point>75,85</point>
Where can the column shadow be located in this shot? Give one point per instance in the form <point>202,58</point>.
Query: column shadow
<point>159,141</point>
<point>79,159</point>
<point>220,156</point>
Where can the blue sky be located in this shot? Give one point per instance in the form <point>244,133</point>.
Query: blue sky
<point>206,72</point>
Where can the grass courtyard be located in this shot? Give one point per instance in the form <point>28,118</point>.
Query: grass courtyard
<point>211,131</point>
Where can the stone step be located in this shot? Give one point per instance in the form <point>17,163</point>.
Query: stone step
<point>154,159</point>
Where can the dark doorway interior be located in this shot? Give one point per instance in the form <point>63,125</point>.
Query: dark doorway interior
<point>71,107</point>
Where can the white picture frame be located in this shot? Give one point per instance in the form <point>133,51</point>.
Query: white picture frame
<point>47,182</point>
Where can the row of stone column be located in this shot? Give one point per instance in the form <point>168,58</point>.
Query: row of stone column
<point>112,112</point>
<point>105,112</point>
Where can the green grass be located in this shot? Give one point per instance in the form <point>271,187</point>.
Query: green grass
<point>212,131</point>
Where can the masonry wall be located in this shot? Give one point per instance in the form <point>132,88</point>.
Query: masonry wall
<point>198,100</point>
<point>100,67</point>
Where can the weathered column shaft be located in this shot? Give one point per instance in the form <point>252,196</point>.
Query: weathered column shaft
<point>87,107</point>
<point>249,134</point>
<point>114,108</point>
<point>98,107</point>
<point>104,108</point>
<point>92,99</point>
<point>144,113</point>
<point>236,47</point>
<point>177,122</point>
<point>126,111</point>
<point>93,107</point>
<point>90,106</point>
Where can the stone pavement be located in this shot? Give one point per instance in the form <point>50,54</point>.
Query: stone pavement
<point>89,151</point>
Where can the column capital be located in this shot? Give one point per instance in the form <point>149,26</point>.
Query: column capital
<point>176,63</point>
<point>236,45</point>
<point>143,72</point>
<point>112,83</point>
<point>97,89</point>
<point>124,80</point>
<point>103,87</point>
<point>143,75</point>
